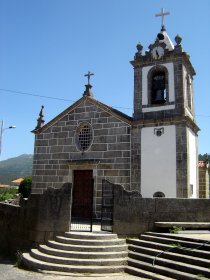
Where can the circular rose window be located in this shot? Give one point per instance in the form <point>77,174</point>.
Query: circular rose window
<point>84,136</point>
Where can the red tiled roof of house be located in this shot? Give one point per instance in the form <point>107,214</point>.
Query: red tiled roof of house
<point>201,163</point>
<point>17,181</point>
<point>4,186</point>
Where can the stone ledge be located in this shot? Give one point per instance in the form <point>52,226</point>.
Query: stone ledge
<point>182,224</point>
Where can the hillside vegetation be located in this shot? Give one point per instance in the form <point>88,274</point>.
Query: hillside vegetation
<point>14,168</point>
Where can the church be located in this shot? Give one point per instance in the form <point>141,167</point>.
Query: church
<point>153,152</point>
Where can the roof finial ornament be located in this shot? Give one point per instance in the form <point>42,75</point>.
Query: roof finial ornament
<point>88,91</point>
<point>40,120</point>
<point>162,14</point>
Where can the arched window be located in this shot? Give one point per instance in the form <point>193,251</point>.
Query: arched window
<point>158,194</point>
<point>158,86</point>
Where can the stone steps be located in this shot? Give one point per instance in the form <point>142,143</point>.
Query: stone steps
<point>173,242</point>
<point>146,274</point>
<point>34,264</point>
<point>87,248</point>
<point>168,256</point>
<point>89,242</point>
<point>82,255</point>
<point>36,254</point>
<point>79,253</point>
<point>174,236</point>
<point>161,271</point>
<point>93,235</point>
<point>164,247</point>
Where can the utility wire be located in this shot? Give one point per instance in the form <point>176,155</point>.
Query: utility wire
<point>32,94</point>
<point>9,91</point>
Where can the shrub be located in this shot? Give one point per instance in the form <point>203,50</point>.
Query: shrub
<point>8,193</point>
<point>25,186</point>
<point>176,229</point>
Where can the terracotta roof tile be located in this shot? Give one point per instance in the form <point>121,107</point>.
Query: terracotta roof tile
<point>17,181</point>
<point>201,163</point>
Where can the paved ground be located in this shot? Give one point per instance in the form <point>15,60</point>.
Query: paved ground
<point>9,272</point>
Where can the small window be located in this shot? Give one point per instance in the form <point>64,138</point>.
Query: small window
<point>158,194</point>
<point>189,91</point>
<point>84,136</point>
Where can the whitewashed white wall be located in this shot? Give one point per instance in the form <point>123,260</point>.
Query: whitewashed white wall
<point>192,146</point>
<point>158,162</point>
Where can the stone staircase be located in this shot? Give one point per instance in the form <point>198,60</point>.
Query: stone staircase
<point>79,253</point>
<point>167,256</point>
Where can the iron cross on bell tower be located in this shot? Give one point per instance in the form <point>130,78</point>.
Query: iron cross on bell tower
<point>162,14</point>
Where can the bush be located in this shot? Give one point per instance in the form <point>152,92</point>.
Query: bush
<point>8,193</point>
<point>25,186</point>
<point>176,229</point>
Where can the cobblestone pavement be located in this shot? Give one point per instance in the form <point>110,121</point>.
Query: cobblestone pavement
<point>8,271</point>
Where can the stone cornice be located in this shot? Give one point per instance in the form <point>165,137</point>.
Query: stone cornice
<point>147,60</point>
<point>168,121</point>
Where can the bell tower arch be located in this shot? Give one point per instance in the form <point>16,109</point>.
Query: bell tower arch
<point>158,86</point>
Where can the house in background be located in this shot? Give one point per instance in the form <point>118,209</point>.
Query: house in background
<point>16,182</point>
<point>3,186</point>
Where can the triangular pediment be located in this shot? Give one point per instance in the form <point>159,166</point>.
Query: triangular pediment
<point>85,102</point>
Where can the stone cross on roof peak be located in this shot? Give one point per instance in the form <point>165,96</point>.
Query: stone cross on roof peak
<point>88,75</point>
<point>162,14</point>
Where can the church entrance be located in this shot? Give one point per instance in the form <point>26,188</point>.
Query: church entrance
<point>82,204</point>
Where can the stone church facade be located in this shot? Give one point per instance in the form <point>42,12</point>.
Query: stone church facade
<point>153,152</point>
<point>106,153</point>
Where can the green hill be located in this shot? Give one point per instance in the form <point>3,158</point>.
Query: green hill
<point>14,168</point>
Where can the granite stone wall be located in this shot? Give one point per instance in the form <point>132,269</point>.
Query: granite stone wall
<point>133,214</point>
<point>56,154</point>
<point>136,158</point>
<point>36,220</point>
<point>182,171</point>
<point>203,181</point>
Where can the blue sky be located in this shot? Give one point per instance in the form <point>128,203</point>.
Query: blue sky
<point>46,47</point>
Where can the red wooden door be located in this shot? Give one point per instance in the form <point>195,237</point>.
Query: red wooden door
<point>82,194</point>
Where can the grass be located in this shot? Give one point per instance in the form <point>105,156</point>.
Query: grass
<point>8,193</point>
<point>176,229</point>
<point>19,259</point>
<point>175,245</point>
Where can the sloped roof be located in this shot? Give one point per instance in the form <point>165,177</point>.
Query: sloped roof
<point>112,111</point>
<point>202,164</point>
<point>17,181</point>
<point>166,39</point>
<point>4,186</point>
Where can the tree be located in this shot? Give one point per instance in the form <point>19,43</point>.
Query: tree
<point>25,186</point>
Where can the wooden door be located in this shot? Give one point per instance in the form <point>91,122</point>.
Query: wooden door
<point>82,205</point>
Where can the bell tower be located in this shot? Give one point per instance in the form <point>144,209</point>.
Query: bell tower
<point>164,115</point>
